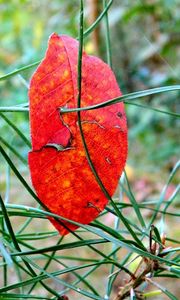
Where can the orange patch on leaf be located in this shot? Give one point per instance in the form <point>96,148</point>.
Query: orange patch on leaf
<point>59,169</point>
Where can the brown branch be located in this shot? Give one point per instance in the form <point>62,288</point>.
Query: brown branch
<point>93,6</point>
<point>134,283</point>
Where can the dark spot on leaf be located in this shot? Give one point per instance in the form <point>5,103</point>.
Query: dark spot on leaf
<point>119,114</point>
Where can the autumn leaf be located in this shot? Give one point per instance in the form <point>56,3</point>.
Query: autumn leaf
<point>59,169</point>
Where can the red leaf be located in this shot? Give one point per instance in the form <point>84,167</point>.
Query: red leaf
<point>63,179</point>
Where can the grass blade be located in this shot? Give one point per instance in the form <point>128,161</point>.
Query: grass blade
<point>16,129</point>
<point>14,151</point>
<point>10,74</point>
<point>170,113</point>
<point>131,96</point>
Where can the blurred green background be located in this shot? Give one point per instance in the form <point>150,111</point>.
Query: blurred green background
<point>145,41</point>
